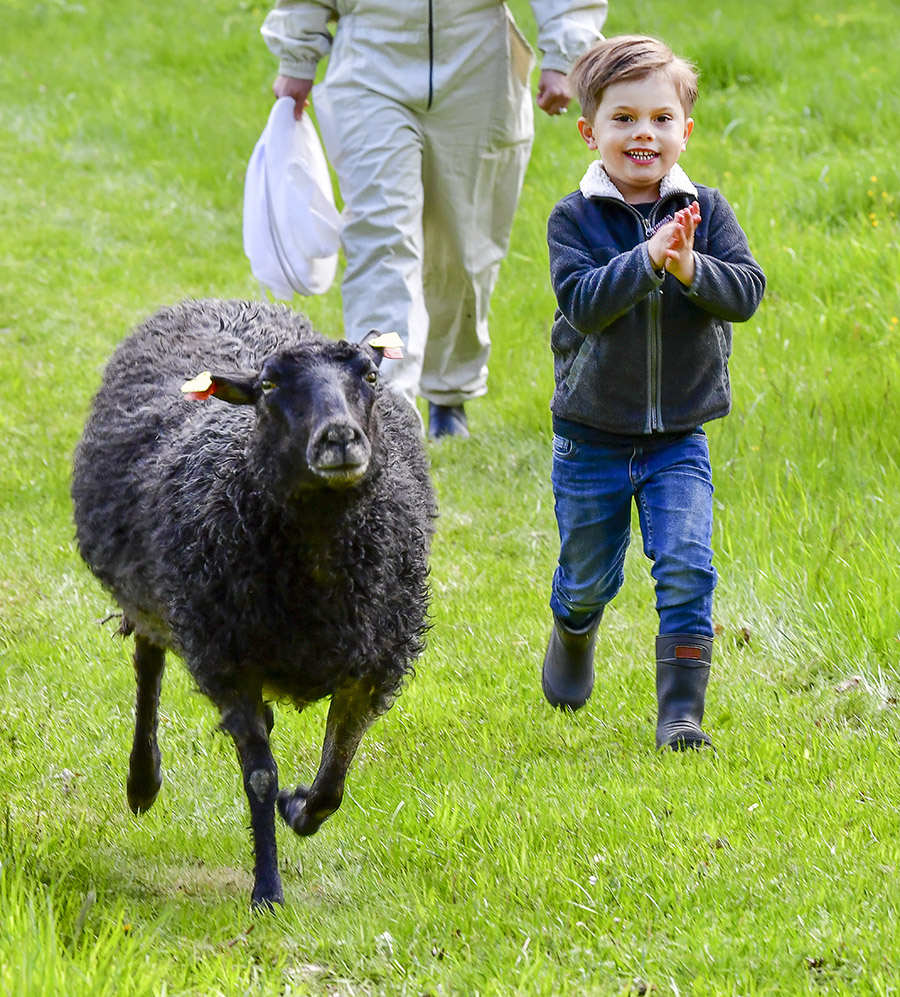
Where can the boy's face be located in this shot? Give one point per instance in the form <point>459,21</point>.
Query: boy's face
<point>640,130</point>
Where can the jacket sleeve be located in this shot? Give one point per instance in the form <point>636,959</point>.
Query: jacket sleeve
<point>592,296</point>
<point>728,282</point>
<point>566,28</point>
<point>297,34</point>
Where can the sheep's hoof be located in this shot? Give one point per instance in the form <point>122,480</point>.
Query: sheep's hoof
<point>142,793</point>
<point>144,777</point>
<point>292,807</point>
<point>140,803</point>
<point>267,897</point>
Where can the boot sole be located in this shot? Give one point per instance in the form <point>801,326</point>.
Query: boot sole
<point>683,743</point>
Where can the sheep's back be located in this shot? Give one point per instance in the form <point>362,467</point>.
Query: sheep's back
<point>179,342</point>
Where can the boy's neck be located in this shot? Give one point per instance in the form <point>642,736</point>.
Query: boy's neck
<point>644,197</point>
<point>649,195</point>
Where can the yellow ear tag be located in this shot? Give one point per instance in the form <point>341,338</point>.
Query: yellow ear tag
<point>391,343</point>
<point>199,387</point>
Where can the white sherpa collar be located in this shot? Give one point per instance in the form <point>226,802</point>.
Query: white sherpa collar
<point>596,183</point>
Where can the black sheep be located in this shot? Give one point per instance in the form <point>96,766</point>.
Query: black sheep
<point>278,543</point>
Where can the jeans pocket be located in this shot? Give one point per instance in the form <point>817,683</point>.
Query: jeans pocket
<point>562,447</point>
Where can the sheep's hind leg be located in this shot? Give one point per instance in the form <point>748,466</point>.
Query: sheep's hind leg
<point>249,722</point>
<point>353,709</point>
<point>144,768</point>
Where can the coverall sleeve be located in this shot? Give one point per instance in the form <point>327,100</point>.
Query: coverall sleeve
<point>297,34</point>
<point>566,28</point>
<point>593,295</point>
<point>728,282</point>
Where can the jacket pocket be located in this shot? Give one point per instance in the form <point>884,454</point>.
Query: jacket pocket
<point>578,364</point>
<point>722,341</point>
<point>513,122</point>
<point>520,52</point>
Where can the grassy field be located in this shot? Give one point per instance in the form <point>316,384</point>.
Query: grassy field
<point>487,845</point>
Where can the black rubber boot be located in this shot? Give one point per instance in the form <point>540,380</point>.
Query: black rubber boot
<point>447,420</point>
<point>682,671</point>
<point>568,673</point>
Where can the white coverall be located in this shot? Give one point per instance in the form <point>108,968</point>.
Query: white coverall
<point>425,113</point>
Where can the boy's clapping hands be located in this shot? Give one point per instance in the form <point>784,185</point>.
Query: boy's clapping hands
<point>672,247</point>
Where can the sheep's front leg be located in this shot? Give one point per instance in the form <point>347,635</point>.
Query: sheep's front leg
<point>353,709</point>
<point>144,768</point>
<point>249,722</point>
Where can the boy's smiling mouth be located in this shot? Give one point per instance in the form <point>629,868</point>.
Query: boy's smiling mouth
<point>642,155</point>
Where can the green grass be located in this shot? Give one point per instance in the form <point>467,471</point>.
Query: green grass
<point>487,845</point>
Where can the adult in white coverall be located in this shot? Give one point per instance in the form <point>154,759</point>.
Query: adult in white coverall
<point>426,116</point>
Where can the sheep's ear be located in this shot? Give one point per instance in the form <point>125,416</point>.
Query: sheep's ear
<point>384,344</point>
<point>236,389</point>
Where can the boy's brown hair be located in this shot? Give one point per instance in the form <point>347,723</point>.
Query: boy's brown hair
<point>629,57</point>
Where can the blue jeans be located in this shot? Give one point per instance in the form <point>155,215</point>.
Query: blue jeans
<point>671,483</point>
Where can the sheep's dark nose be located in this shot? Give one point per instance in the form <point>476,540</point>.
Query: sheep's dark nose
<point>342,434</point>
<point>339,453</point>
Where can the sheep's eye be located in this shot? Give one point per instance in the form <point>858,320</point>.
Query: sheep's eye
<point>267,386</point>
<point>372,377</point>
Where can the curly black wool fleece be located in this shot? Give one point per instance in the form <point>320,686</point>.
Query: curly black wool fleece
<point>179,513</point>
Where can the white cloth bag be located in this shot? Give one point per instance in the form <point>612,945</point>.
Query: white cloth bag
<point>291,225</point>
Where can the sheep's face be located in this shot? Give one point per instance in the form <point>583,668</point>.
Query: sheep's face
<point>318,423</point>
<point>317,417</point>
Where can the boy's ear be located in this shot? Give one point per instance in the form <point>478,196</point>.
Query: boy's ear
<point>587,132</point>
<point>688,128</point>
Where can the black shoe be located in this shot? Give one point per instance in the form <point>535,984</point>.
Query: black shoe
<point>568,673</point>
<point>447,420</point>
<point>682,672</point>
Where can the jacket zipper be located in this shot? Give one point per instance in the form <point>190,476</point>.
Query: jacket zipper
<point>654,419</point>
<point>430,53</point>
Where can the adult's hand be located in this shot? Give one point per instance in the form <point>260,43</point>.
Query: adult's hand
<point>553,94</point>
<point>287,86</point>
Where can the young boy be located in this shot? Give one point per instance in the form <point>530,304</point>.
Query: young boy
<point>649,272</point>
